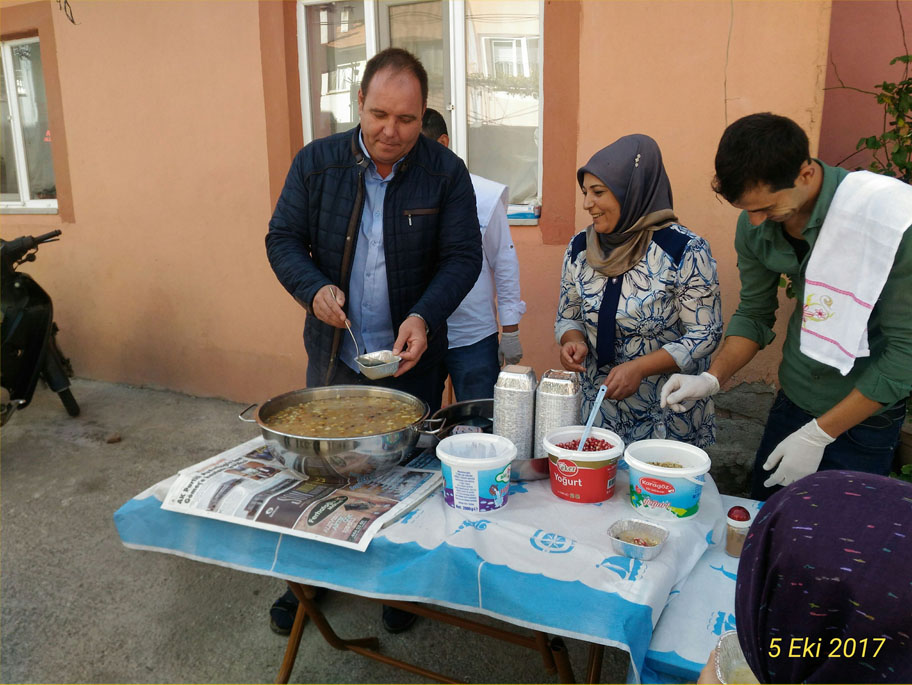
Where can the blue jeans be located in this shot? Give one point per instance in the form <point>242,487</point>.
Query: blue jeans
<point>473,369</point>
<point>426,386</point>
<point>867,447</point>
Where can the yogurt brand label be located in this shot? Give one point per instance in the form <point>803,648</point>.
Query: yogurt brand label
<point>586,482</point>
<point>567,467</point>
<point>656,486</point>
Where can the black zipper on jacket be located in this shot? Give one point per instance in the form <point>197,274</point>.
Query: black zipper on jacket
<point>419,212</point>
<point>354,222</point>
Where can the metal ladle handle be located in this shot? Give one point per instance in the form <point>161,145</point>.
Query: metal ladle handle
<point>347,324</point>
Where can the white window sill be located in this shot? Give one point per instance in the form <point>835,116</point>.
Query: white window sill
<point>27,210</point>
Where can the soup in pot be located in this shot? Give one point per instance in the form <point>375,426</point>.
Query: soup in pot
<point>344,417</point>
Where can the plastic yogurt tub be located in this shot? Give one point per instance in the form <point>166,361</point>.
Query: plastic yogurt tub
<point>476,470</point>
<point>659,492</point>
<point>582,476</point>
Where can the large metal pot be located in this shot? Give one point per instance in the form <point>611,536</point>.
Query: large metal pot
<point>337,458</point>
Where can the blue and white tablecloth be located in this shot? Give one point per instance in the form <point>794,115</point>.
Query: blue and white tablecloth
<point>698,611</point>
<point>540,562</point>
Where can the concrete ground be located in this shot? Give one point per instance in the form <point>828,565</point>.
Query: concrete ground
<point>78,607</point>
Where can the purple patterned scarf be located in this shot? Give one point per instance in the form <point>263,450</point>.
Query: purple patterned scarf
<point>824,590</point>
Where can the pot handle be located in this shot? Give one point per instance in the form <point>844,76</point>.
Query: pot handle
<point>425,428</point>
<point>241,415</point>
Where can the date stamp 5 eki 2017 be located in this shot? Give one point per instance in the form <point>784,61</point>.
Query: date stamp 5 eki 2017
<point>834,648</point>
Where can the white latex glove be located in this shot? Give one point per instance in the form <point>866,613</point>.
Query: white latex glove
<point>682,388</point>
<point>510,350</point>
<point>800,454</point>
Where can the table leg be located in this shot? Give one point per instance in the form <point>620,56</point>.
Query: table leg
<point>404,665</point>
<point>291,647</point>
<point>562,660</point>
<point>554,654</point>
<point>466,623</point>
<point>541,642</point>
<point>364,646</point>
<point>305,596</point>
<point>594,666</point>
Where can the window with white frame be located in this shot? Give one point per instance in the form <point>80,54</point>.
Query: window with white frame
<point>483,61</point>
<point>27,182</point>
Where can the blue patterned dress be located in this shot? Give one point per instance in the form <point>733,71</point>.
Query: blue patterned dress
<point>669,300</point>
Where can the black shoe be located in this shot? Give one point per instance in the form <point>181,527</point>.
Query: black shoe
<point>283,610</point>
<point>396,620</point>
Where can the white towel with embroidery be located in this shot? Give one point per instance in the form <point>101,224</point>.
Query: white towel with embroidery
<point>849,266</point>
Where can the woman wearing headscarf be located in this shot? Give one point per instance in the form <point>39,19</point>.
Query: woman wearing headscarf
<point>639,297</point>
<point>824,589</point>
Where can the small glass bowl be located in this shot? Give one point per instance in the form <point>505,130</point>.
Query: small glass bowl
<point>731,666</point>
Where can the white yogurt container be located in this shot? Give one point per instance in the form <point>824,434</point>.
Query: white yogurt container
<point>476,470</point>
<point>658,492</point>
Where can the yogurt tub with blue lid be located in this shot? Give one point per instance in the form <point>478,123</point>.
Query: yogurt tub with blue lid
<point>476,470</point>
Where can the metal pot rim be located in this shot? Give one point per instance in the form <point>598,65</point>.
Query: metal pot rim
<point>338,391</point>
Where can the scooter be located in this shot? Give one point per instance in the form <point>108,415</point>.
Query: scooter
<point>28,339</point>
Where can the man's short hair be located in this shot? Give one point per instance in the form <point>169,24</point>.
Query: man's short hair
<point>433,125</point>
<point>396,59</point>
<point>759,149</point>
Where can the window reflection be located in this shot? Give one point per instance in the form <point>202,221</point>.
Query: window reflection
<point>502,77</point>
<point>9,181</point>
<point>31,102</point>
<point>418,28</point>
<point>336,55</point>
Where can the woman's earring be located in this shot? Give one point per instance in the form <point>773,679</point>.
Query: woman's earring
<point>636,162</point>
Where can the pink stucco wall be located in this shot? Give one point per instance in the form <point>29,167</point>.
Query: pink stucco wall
<point>681,72</point>
<point>864,37</point>
<point>162,278</point>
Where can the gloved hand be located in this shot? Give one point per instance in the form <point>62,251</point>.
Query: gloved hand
<point>682,388</point>
<point>800,454</point>
<point>509,351</point>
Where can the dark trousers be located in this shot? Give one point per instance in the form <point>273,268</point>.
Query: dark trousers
<point>867,447</point>
<point>473,369</point>
<point>425,385</point>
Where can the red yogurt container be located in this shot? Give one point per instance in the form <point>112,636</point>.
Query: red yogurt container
<point>582,476</point>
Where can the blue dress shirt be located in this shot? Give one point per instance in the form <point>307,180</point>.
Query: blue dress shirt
<point>368,290</point>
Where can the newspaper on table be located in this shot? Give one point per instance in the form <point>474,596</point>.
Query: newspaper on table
<point>246,485</point>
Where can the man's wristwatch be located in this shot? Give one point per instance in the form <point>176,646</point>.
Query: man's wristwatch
<point>427,329</point>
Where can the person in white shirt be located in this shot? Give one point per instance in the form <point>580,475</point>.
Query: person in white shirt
<point>475,356</point>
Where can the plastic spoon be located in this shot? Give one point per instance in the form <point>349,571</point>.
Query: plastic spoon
<point>659,417</point>
<point>595,408</point>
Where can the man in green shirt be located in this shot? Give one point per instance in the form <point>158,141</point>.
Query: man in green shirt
<point>820,418</point>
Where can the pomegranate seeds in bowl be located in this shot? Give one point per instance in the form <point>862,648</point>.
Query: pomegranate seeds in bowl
<point>592,445</point>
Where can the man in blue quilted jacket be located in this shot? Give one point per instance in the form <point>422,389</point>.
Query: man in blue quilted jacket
<point>378,226</point>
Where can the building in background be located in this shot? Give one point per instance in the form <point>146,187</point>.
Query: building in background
<point>157,137</point>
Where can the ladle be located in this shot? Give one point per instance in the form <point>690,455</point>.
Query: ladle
<point>592,414</point>
<point>347,324</point>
